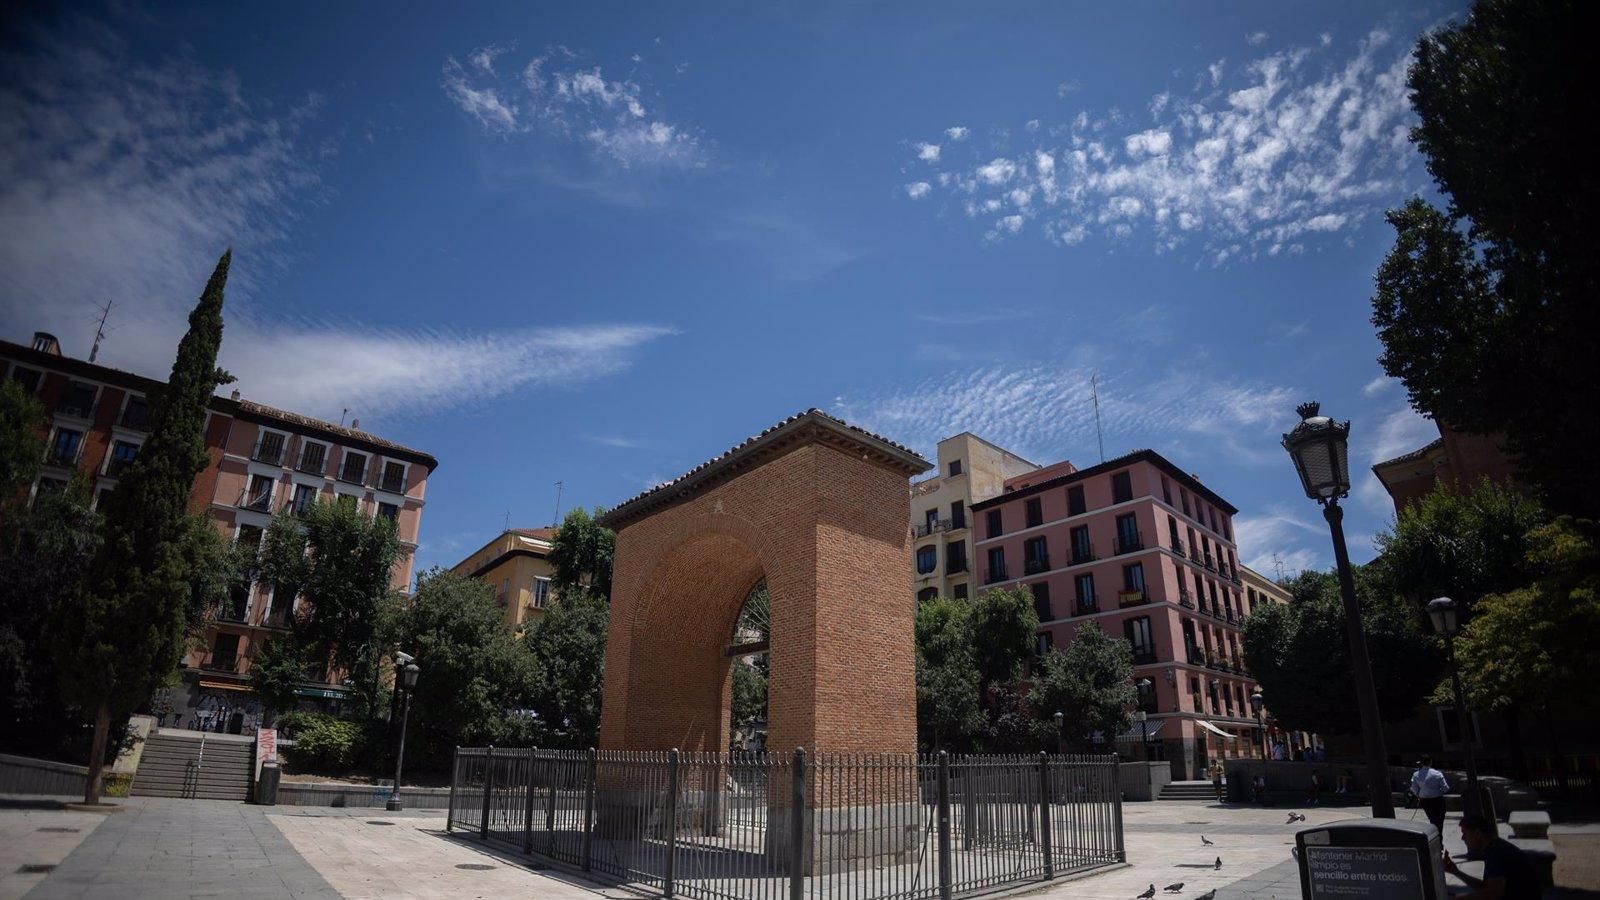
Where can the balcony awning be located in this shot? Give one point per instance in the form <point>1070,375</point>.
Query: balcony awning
<point>1215,730</point>
<point>1134,735</point>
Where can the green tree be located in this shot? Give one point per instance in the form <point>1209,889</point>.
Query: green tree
<point>948,681</point>
<point>1298,653</point>
<point>1460,545</point>
<point>40,546</point>
<point>749,692</point>
<point>340,561</point>
<point>125,635</point>
<point>22,424</point>
<point>276,674</point>
<point>475,680</point>
<point>580,554</point>
<point>569,650</point>
<point>1003,626</point>
<point>1483,308</point>
<point>1090,683</point>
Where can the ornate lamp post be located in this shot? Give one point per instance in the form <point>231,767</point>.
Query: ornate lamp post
<point>1319,447</point>
<point>1256,705</point>
<point>1447,623</point>
<point>408,672</point>
<point>1061,732</point>
<point>1143,715</point>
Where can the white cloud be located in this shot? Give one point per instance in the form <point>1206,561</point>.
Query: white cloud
<point>928,152</point>
<point>580,103</point>
<point>612,440</point>
<point>1256,38</point>
<point>1401,431</point>
<point>1378,385</point>
<point>916,190</point>
<point>956,133</point>
<point>1301,146</point>
<point>1279,540</point>
<point>124,180</point>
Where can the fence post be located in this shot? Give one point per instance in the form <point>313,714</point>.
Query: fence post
<point>1116,798</point>
<point>1044,815</point>
<point>797,825</point>
<point>672,821</point>
<point>944,825</point>
<point>588,808</point>
<point>527,809</point>
<point>488,789</point>
<point>550,813</point>
<point>455,776</point>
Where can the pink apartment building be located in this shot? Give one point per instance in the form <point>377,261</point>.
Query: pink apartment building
<point>262,460</point>
<point>1146,552</point>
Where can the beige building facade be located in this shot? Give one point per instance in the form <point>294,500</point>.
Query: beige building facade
<point>971,470</point>
<point>516,564</point>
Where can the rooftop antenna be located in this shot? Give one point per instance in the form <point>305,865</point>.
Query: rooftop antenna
<point>557,521</point>
<point>342,413</point>
<point>1277,565</point>
<point>508,519</point>
<point>100,331</point>
<point>1094,391</point>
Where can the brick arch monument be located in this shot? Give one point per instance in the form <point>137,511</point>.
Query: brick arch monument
<point>818,508</point>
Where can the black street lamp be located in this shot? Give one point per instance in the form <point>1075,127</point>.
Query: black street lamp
<point>1320,448</point>
<point>408,679</point>
<point>1145,685</point>
<point>1061,732</point>
<point>1256,705</point>
<point>1447,623</point>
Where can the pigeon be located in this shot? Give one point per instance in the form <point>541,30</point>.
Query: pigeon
<point>1208,895</point>
<point>1149,892</point>
<point>1204,841</point>
<point>1174,888</point>
<point>1219,863</point>
<point>1295,817</point>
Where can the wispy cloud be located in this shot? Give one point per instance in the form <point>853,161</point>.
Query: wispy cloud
<point>959,318</point>
<point>1278,541</point>
<point>552,95</point>
<point>1378,385</point>
<point>611,440</point>
<point>1301,147</point>
<point>1256,38</point>
<point>1401,431</point>
<point>125,181</point>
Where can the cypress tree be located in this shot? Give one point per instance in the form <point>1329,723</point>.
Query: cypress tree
<point>128,633</point>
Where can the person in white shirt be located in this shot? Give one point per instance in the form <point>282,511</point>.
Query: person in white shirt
<point>1429,786</point>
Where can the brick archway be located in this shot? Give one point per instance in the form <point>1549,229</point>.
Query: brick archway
<point>818,508</point>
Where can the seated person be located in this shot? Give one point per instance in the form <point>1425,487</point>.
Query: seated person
<point>1508,874</point>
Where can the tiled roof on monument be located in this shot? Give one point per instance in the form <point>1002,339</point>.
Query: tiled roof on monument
<point>813,424</point>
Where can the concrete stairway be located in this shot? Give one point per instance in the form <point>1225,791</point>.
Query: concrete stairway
<point>1188,790</point>
<point>194,766</point>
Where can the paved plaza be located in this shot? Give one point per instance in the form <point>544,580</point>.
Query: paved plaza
<point>202,848</point>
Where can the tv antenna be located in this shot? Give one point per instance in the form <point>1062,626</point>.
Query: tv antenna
<point>557,521</point>
<point>1094,392</point>
<point>100,331</point>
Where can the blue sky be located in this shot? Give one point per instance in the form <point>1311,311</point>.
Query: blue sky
<point>601,244</point>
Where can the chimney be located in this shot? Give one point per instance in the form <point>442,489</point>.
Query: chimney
<point>45,342</point>
<point>355,424</point>
<point>235,395</point>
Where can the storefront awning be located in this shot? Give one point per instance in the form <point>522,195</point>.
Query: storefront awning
<point>1151,730</point>
<point>1215,730</point>
<point>225,686</point>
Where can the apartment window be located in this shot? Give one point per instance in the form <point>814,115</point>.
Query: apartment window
<point>1121,487</point>
<point>122,454</point>
<point>930,520</point>
<point>1215,603</point>
<point>28,378</point>
<point>224,653</point>
<point>102,496</point>
<point>354,467</point>
<point>269,449</point>
<point>505,591</point>
<point>958,515</point>
<point>1041,601</point>
<point>389,511</point>
<point>961,591</point>
<point>250,536</point>
<point>1035,513</point>
<point>1133,578</point>
<point>1147,695</point>
<point>312,457</point>
<point>955,467</point>
<point>927,559</point>
<point>1183,497</point>
<point>1075,504</point>
<point>1043,642</point>
<point>64,449</point>
<point>1166,490</point>
<point>259,496</point>
<point>50,486</point>
<point>955,558</point>
<point>1082,550</point>
<point>1199,590</point>
<point>1227,528</point>
<point>1128,539</point>
<point>77,400</point>
<point>237,606</point>
<point>991,525</point>
<point>304,496</point>
<point>394,477</point>
<point>1172,532</point>
<point>1035,556</point>
<point>997,564</point>
<point>926,594</point>
<point>1213,512</point>
<point>541,592</point>
<point>1084,589</point>
<point>1139,636</point>
<point>136,413</point>
<point>1250,600</point>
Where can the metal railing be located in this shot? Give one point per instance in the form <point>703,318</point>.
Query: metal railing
<point>753,826</point>
<point>1033,565</point>
<point>1129,543</point>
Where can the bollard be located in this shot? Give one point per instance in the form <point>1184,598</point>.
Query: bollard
<point>944,825</point>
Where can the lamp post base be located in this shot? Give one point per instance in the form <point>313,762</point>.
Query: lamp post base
<point>394,804</point>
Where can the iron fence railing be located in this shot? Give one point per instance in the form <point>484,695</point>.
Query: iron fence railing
<point>753,826</point>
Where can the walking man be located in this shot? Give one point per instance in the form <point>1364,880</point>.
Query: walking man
<point>1429,786</point>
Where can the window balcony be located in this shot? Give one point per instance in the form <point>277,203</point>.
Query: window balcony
<point>1185,600</point>
<point>394,484</point>
<point>353,475</point>
<point>311,465</point>
<point>226,663</point>
<point>1144,658</point>
<point>66,457</point>
<point>1086,606</point>
<point>268,452</point>
<point>955,567</point>
<point>1125,599</point>
<point>1035,565</point>
<point>136,417</point>
<point>1209,563</point>
<point>1195,656</point>
<point>957,523</point>
<point>233,609</point>
<point>276,618</point>
<point>1129,543</point>
<point>259,502</point>
<point>1081,555</point>
<point>994,575</point>
<point>1177,547</point>
<point>1232,619</point>
<point>76,408</point>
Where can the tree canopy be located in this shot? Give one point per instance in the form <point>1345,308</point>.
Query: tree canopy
<point>1483,307</point>
<point>1461,545</point>
<point>948,681</point>
<point>569,651</point>
<point>21,441</point>
<point>580,554</point>
<point>1090,683</point>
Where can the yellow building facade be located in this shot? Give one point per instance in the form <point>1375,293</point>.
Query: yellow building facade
<point>516,564</point>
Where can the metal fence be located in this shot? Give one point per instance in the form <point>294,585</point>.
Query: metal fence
<point>795,826</point>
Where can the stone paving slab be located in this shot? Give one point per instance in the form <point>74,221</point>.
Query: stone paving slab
<point>36,832</point>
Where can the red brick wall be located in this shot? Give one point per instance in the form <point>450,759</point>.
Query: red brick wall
<point>828,532</point>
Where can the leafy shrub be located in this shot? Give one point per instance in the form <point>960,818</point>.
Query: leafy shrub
<point>323,742</point>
